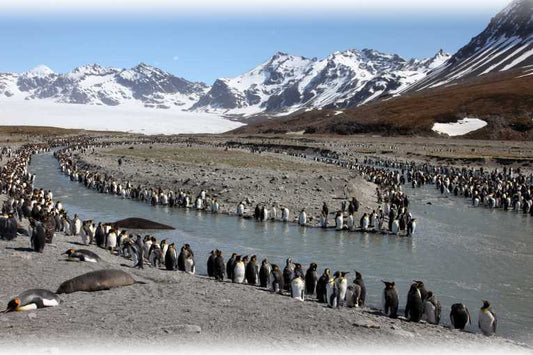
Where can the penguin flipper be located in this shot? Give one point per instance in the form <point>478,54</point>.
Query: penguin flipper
<point>495,323</point>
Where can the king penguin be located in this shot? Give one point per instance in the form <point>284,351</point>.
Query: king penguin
<point>460,316</point>
<point>414,309</point>
<point>311,278</point>
<point>32,299</point>
<point>487,320</point>
<point>390,300</point>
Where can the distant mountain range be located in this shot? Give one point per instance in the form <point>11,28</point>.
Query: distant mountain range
<point>97,85</point>
<point>285,83</point>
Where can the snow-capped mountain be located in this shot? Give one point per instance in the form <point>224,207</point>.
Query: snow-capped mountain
<point>287,83</point>
<point>506,43</point>
<point>97,85</point>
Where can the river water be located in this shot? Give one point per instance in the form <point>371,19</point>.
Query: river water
<point>463,254</point>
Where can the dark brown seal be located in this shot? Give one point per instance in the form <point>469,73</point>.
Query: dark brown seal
<point>139,223</point>
<point>96,281</point>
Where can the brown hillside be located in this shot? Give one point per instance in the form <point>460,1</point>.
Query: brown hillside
<point>504,100</point>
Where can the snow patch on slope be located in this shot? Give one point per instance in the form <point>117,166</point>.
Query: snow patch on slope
<point>459,128</point>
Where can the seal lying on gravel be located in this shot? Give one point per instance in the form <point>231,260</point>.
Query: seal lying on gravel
<point>97,280</point>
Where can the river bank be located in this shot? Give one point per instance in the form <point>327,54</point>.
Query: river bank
<point>177,309</point>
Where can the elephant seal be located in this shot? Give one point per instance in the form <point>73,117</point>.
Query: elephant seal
<point>97,280</point>
<point>139,223</point>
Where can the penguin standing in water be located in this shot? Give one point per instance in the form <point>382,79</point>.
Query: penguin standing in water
<point>302,218</point>
<point>311,278</point>
<point>411,227</point>
<point>339,221</point>
<point>211,264</point>
<point>288,274</point>
<point>298,288</point>
<point>414,309</point>
<point>460,316</point>
<point>219,266</point>
<point>252,270</point>
<point>238,271</point>
<point>390,300</point>
<point>432,309</point>
<point>361,283</point>
<point>284,214</point>
<point>321,286</point>
<point>277,279</point>
<point>171,259</point>
<point>230,265</point>
<point>487,320</point>
<point>264,273</point>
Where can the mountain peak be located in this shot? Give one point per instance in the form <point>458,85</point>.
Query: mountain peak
<point>41,70</point>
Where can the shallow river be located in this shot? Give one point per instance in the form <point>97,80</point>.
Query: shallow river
<point>463,254</point>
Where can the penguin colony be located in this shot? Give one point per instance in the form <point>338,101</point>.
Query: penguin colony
<point>394,218</point>
<point>47,217</point>
<point>38,206</point>
<point>508,190</point>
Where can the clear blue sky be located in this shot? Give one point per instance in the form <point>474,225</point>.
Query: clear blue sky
<point>203,49</point>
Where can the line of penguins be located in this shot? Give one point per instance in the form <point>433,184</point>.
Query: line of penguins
<point>400,221</point>
<point>332,289</point>
<point>507,189</point>
<point>335,290</point>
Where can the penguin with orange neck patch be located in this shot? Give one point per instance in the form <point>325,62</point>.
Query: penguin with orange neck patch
<point>82,255</point>
<point>32,299</point>
<point>487,320</point>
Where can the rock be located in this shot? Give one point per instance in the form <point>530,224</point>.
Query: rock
<point>32,316</point>
<point>182,328</point>
<point>367,324</point>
